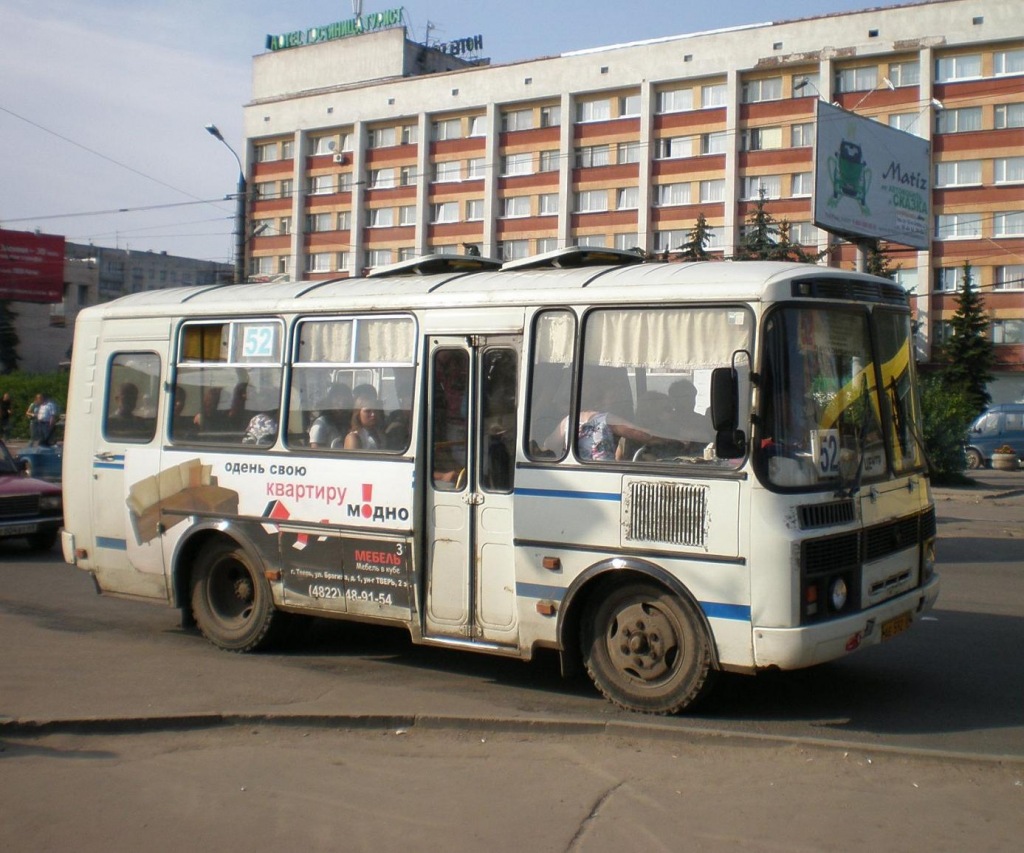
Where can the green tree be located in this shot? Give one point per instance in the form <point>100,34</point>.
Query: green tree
<point>878,261</point>
<point>969,355</point>
<point>8,339</point>
<point>947,413</point>
<point>696,246</point>
<point>767,239</point>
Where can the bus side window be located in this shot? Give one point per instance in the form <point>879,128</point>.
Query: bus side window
<point>498,383</point>
<point>551,384</point>
<point>133,387</point>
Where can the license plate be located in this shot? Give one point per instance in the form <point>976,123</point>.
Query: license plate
<point>894,626</point>
<point>18,530</point>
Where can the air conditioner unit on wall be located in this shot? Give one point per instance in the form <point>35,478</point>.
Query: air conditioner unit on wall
<point>340,157</point>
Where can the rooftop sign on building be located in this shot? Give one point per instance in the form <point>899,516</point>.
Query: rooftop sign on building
<point>357,26</point>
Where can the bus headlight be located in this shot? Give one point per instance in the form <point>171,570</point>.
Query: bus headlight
<point>837,594</point>
<point>927,561</point>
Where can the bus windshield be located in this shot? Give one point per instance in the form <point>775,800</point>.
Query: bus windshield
<point>836,410</point>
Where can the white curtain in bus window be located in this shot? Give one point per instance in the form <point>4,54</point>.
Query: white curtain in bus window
<point>363,340</point>
<point>554,340</point>
<point>674,339</point>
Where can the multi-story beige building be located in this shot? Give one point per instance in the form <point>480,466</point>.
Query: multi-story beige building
<point>366,150</point>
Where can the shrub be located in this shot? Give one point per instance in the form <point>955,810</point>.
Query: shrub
<point>947,415</point>
<point>23,388</point>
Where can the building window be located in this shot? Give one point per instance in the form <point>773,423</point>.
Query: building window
<point>319,262</point>
<point>802,135</point>
<point>591,201</point>
<point>345,142</point>
<point>673,194</point>
<point>905,73</point>
<point>474,209</point>
<point>446,211</point>
<point>856,79</point>
<point>381,137</point>
<point>803,233</point>
<point>1009,170</point>
<point>514,250</point>
<point>768,89</point>
<point>517,120</point>
<point>266,152</point>
<point>950,68</point>
<point>517,164</point>
<point>476,168</point>
<point>592,155</point>
<point>324,144</point>
<point>949,279</point>
<point>321,185</point>
<point>715,142</point>
<point>382,179</point>
<point>600,110</point>
<point>760,138</point>
<point>478,125</point>
<point>546,244</point>
<point>406,176</point>
<point>406,253</point>
<point>551,116</point>
<point>958,173</point>
<point>593,241</point>
<point>287,188</point>
<point>712,191</point>
<point>1007,331</point>
<point>410,134</point>
<point>755,185</point>
<point>625,242</point>
<point>1009,115</point>
<point>673,147</point>
<point>806,85</point>
<point>670,241</point>
<point>628,152</point>
<point>320,222</point>
<point>549,161</point>
<point>957,226</point>
<point>1010,277</point>
<point>378,257</point>
<point>1008,62</point>
<point>381,217</point>
<point>906,278</point>
<point>447,129</point>
<point>547,204</point>
<point>265,189</point>
<point>407,214</point>
<point>344,221</point>
<point>675,100</point>
<point>516,207</point>
<point>961,120</point>
<point>942,332</point>
<point>904,121</point>
<point>1010,224</point>
<point>627,198</point>
<point>714,95</point>
<point>801,184</point>
<point>629,105</point>
<point>288,149</point>
<point>448,172</point>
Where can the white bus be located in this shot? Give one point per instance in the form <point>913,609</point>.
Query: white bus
<point>662,471</point>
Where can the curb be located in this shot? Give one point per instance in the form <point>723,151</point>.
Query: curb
<point>404,723</point>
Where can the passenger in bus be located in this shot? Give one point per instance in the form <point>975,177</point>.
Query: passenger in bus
<point>655,415</point>
<point>262,430</point>
<point>205,419</point>
<point>328,430</point>
<point>182,425</point>
<point>600,431</point>
<point>692,428</point>
<point>364,434</point>
<point>398,427</point>
<point>123,421</point>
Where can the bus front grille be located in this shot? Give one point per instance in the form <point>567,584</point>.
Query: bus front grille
<point>674,513</point>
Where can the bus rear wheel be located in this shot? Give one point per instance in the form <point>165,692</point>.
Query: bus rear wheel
<point>645,649</point>
<point>231,599</point>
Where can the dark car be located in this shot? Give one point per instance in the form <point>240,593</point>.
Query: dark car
<point>29,508</point>
<point>998,425</point>
<point>42,462</point>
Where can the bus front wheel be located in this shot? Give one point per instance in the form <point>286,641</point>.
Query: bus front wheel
<point>645,650</point>
<point>231,599</point>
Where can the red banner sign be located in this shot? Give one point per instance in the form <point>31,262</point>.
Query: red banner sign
<point>31,267</point>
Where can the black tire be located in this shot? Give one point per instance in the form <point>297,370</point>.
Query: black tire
<point>645,649</point>
<point>231,600</point>
<point>44,540</point>
<point>974,458</point>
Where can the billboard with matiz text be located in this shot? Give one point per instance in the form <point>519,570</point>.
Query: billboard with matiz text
<point>31,266</point>
<point>871,180</point>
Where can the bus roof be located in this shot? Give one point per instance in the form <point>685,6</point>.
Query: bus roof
<point>711,281</point>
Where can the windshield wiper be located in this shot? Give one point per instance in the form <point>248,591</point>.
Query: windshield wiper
<point>842,492</point>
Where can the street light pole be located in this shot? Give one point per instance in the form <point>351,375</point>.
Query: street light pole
<point>239,206</point>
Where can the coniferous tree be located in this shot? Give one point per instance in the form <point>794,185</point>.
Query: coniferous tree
<point>969,354</point>
<point>696,246</point>
<point>767,239</point>
<point>8,339</point>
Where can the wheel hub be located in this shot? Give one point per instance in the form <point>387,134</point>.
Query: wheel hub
<point>637,644</point>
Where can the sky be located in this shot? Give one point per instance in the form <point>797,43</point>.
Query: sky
<point>104,103</point>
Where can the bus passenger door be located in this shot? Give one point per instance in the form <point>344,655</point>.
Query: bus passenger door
<point>125,467</point>
<point>470,464</point>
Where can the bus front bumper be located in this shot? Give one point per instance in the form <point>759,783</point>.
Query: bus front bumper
<point>796,648</point>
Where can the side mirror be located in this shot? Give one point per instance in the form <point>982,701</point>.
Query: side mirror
<point>730,441</point>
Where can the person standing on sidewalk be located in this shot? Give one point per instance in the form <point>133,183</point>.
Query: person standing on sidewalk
<point>6,404</point>
<point>46,419</point>
<point>32,413</point>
